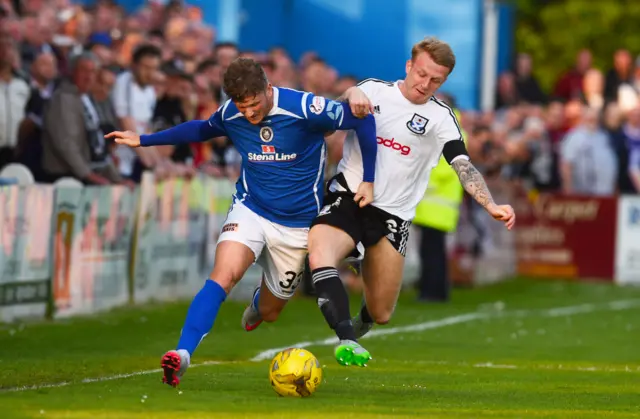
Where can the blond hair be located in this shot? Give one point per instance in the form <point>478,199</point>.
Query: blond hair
<point>438,50</point>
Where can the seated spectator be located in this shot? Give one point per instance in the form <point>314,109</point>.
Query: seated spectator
<point>101,97</point>
<point>73,143</point>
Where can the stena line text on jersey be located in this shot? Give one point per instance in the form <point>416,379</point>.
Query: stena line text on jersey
<point>255,157</point>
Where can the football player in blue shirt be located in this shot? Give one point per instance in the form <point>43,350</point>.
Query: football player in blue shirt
<point>280,136</point>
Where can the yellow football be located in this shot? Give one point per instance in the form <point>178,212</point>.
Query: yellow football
<point>295,373</point>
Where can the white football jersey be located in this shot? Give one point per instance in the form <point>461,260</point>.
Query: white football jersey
<point>411,139</point>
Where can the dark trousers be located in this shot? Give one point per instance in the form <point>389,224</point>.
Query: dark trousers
<point>6,156</point>
<point>434,284</point>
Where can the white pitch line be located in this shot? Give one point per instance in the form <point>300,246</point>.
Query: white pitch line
<point>429,325</point>
<point>433,324</point>
<point>533,367</point>
<point>616,305</point>
<point>107,378</point>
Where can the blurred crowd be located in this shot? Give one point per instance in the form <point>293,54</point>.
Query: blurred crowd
<point>583,138</point>
<point>70,74</point>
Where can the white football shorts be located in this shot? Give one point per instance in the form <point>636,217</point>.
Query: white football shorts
<point>280,251</point>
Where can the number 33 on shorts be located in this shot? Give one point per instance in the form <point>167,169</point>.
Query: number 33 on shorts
<point>290,281</point>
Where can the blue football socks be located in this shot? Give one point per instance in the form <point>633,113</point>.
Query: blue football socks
<point>201,315</point>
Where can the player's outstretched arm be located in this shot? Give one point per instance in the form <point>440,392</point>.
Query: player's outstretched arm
<point>188,132</point>
<point>473,182</point>
<point>365,129</point>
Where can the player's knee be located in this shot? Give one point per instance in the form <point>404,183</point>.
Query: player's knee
<point>323,255</point>
<point>382,320</point>
<point>318,259</point>
<point>225,278</point>
<point>382,316</point>
<point>321,251</point>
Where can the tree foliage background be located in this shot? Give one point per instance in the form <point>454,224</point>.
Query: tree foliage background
<point>553,31</point>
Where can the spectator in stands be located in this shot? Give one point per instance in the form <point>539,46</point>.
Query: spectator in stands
<point>612,121</point>
<point>207,105</point>
<point>170,110</point>
<point>73,143</point>
<point>37,38</point>
<point>12,106</point>
<point>100,44</point>
<point>593,89</point>
<point>588,163</point>
<point>506,91</point>
<point>313,76</point>
<point>629,153</point>
<point>134,100</point>
<point>527,86</point>
<point>343,83</point>
<point>284,73</point>
<point>573,113</point>
<point>210,69</point>
<point>621,74</point>
<point>101,97</point>
<point>224,53</point>
<point>569,86</point>
<point>44,71</point>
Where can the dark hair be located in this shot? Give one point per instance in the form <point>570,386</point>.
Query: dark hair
<point>316,60</point>
<point>243,79</point>
<point>112,69</point>
<point>206,64</point>
<point>157,32</point>
<point>225,45</point>
<point>481,129</point>
<point>146,51</point>
<point>268,64</point>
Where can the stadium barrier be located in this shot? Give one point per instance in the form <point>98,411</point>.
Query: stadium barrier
<point>68,251</point>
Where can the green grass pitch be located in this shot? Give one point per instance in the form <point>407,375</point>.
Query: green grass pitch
<point>519,349</point>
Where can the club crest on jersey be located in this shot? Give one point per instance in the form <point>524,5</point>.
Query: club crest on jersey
<point>266,134</point>
<point>317,105</point>
<point>418,124</point>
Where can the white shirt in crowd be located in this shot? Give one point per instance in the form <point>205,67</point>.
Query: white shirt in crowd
<point>594,166</point>
<point>411,139</point>
<point>132,100</point>
<point>14,96</point>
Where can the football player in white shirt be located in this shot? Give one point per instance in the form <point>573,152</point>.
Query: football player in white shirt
<point>414,129</point>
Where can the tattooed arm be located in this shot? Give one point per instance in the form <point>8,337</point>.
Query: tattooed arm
<point>456,154</point>
<point>473,182</point>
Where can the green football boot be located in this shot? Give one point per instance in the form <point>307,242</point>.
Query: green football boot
<point>349,352</point>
